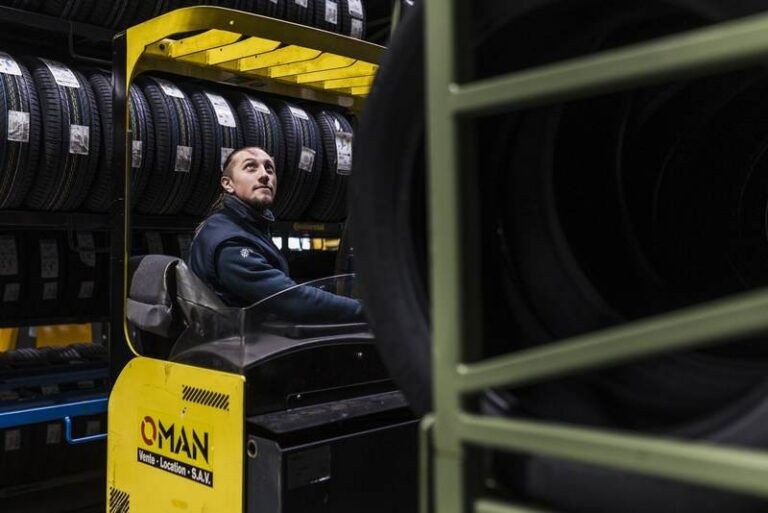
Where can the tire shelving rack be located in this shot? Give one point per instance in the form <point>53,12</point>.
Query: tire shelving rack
<point>23,33</point>
<point>249,51</point>
<point>452,427</point>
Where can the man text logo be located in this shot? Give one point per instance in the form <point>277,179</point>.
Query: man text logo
<point>175,439</point>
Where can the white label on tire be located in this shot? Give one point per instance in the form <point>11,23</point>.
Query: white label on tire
<point>302,3</point>
<point>299,113</point>
<point>62,74</point>
<point>11,292</point>
<point>9,257</point>
<point>137,157</point>
<point>183,159</point>
<point>225,152</point>
<point>8,65</point>
<point>274,1</point>
<point>53,434</point>
<point>154,243</point>
<point>87,246</point>
<point>50,290</point>
<point>223,111</point>
<point>356,8</point>
<point>357,28</point>
<point>307,159</point>
<point>169,88</point>
<point>86,290</point>
<point>12,440</point>
<point>18,126</point>
<point>79,139</point>
<point>259,106</point>
<point>185,241</point>
<point>331,12</point>
<point>49,259</point>
<point>343,153</point>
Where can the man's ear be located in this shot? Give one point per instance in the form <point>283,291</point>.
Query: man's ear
<point>226,184</point>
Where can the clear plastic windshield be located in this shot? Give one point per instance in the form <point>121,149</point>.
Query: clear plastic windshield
<point>228,338</point>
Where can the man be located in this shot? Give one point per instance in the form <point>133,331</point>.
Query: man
<point>234,254</point>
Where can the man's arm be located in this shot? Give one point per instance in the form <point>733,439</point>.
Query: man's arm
<point>247,274</point>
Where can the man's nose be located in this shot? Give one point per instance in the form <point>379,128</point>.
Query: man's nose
<point>263,176</point>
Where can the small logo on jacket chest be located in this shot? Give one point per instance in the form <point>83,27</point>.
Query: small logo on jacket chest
<point>245,252</point>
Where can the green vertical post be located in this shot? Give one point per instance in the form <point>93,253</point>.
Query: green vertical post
<point>446,252</point>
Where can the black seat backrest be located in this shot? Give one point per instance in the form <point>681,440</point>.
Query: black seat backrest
<point>163,297</point>
<point>153,318</point>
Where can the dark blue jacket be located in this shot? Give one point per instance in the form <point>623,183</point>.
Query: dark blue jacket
<point>234,254</point>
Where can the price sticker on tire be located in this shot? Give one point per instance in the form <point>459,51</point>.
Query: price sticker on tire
<point>137,156</point>
<point>307,159</point>
<point>343,153</point>
<point>62,74</point>
<point>331,12</point>
<point>18,126</point>
<point>79,139</point>
<point>183,159</point>
<point>8,65</point>
<point>356,8</point>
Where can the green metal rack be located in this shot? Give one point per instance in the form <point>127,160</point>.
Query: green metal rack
<point>717,48</point>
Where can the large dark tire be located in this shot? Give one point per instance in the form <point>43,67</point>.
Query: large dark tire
<point>330,201</point>
<point>261,127</point>
<point>298,180</point>
<point>178,148</point>
<point>221,134</point>
<point>390,258</point>
<point>540,286</point>
<point>71,138</point>
<point>18,158</point>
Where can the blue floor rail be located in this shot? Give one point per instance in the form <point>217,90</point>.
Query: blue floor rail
<point>63,412</point>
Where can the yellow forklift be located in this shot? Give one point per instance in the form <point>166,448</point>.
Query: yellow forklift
<point>224,409</point>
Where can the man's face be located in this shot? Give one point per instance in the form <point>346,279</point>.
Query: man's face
<point>253,178</point>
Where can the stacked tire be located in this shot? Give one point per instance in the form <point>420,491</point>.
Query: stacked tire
<point>71,136</point>
<point>330,200</point>
<point>20,131</point>
<point>261,126</point>
<point>221,134</point>
<point>141,130</point>
<point>178,147</point>
<point>299,179</point>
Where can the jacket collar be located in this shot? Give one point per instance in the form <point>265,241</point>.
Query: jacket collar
<point>242,210</point>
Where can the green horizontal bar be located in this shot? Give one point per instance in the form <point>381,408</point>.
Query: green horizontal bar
<point>699,463</point>
<point>489,506</point>
<point>721,47</point>
<point>733,317</point>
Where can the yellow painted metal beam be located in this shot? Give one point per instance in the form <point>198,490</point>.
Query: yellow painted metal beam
<point>179,48</point>
<point>278,57</point>
<point>358,69</point>
<point>323,62</point>
<point>249,47</point>
<point>344,83</point>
